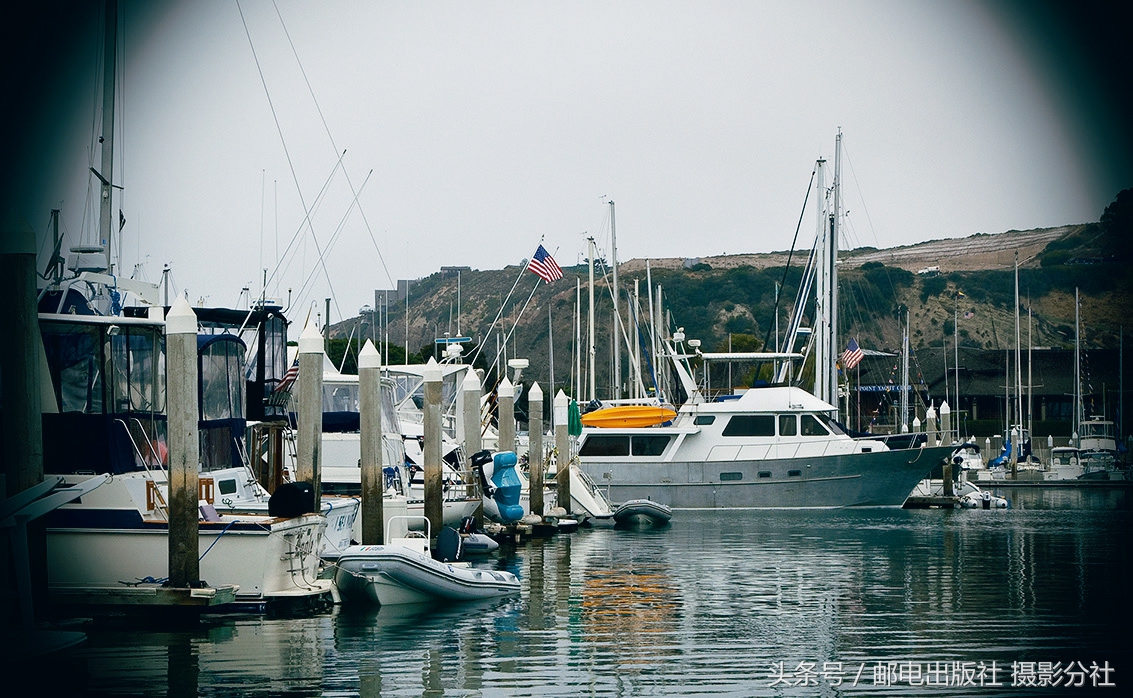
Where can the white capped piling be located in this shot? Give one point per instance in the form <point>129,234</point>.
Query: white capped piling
<point>434,508</point>
<point>370,434</point>
<point>916,425</point>
<point>309,440</point>
<point>470,405</point>
<point>20,361</point>
<point>184,444</point>
<point>1015,453</point>
<point>535,447</point>
<point>562,449</point>
<point>506,415</point>
<point>930,424</point>
<point>946,424</point>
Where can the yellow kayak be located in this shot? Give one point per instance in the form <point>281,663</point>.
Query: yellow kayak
<point>628,416</point>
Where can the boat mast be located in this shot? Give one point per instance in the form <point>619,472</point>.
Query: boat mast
<point>578,337</point>
<point>617,315</point>
<point>1077,370</point>
<point>590,320</point>
<point>956,356</point>
<point>638,385</point>
<point>106,176</point>
<point>1030,378</point>
<point>832,262</point>
<point>1018,353</point>
<point>823,361</point>
<point>905,376</point>
<point>654,331</point>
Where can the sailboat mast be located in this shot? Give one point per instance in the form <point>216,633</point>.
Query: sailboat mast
<point>638,384</point>
<point>1030,384</point>
<point>617,315</point>
<point>106,175</point>
<point>832,262</point>
<point>1018,353</point>
<point>823,361</point>
<point>1077,368</point>
<point>590,322</point>
<point>905,376</point>
<point>956,355</point>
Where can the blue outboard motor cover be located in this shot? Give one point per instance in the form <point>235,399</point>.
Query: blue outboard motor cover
<point>507,486</point>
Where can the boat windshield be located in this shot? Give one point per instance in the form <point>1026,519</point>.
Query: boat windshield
<point>1097,429</point>
<point>830,424</point>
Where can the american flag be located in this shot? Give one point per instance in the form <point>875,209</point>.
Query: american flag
<point>543,265</point>
<point>853,355</point>
<point>289,377</point>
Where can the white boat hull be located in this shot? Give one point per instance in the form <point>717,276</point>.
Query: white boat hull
<point>265,557</point>
<point>391,575</point>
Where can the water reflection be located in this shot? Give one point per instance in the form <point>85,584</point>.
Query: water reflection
<point>709,605</point>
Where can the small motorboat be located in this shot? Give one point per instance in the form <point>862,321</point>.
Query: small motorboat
<point>403,571</point>
<point>982,499</point>
<point>643,511</point>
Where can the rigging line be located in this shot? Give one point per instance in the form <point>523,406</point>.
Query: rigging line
<point>334,239</point>
<point>790,254</point>
<point>326,126</point>
<point>519,315</point>
<point>610,293</point>
<point>306,218</point>
<point>488,334</point>
<point>872,230</point>
<point>286,151</point>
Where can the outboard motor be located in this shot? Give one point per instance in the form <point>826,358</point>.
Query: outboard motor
<point>449,545</point>
<point>292,499</point>
<point>501,485</point>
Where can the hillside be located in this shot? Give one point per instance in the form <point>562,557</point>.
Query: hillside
<point>715,298</point>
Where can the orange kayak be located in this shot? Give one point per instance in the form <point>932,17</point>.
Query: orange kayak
<point>628,416</point>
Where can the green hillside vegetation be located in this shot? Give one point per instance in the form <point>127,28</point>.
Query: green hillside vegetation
<point>739,303</point>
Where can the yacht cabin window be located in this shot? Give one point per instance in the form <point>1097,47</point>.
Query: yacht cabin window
<point>811,426</point>
<point>750,425</point>
<point>788,425</point>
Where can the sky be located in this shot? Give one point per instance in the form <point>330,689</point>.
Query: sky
<point>399,137</point>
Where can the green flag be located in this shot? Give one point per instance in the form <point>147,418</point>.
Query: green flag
<point>574,418</point>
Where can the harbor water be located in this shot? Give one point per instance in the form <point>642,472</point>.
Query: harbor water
<point>1031,600</point>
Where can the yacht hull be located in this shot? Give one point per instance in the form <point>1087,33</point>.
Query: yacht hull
<point>875,479</point>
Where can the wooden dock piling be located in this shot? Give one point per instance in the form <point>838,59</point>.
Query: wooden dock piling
<point>184,444</point>
<point>370,432</point>
<point>535,447</point>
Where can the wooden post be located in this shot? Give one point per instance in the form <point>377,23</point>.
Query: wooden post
<point>535,447</point>
<point>930,425</point>
<point>1015,436</point>
<point>370,432</point>
<point>470,406</point>
<point>184,444</point>
<point>23,404</point>
<point>946,424</point>
<point>506,395</point>
<point>310,427</point>
<point>434,506</point>
<point>20,362</point>
<point>562,446</point>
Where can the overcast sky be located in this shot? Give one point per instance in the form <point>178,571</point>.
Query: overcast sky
<point>473,131</point>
